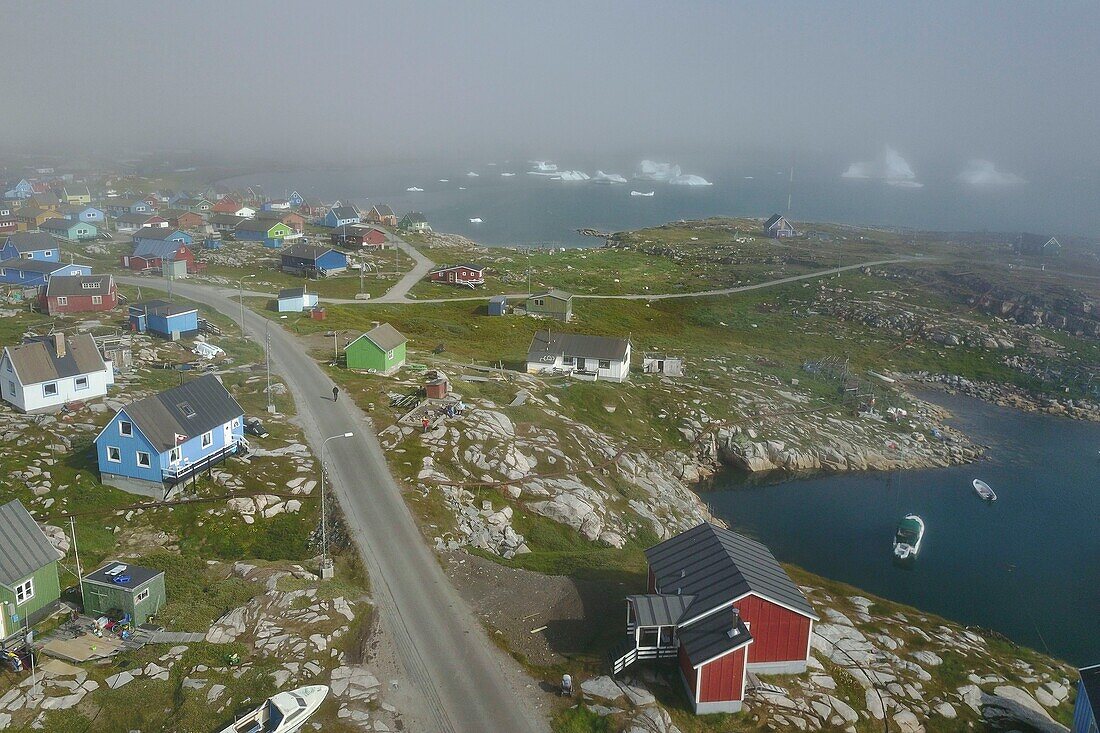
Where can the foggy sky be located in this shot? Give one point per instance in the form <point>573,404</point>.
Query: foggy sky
<point>1008,82</point>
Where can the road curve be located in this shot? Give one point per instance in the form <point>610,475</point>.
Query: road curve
<point>465,684</point>
<point>421,267</point>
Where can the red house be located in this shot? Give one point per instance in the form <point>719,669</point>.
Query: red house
<point>721,605</point>
<point>79,294</point>
<point>151,255</point>
<point>226,205</point>
<point>469,276</point>
<point>358,235</point>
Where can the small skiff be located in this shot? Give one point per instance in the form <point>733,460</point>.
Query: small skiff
<point>284,712</point>
<point>984,490</point>
<point>908,537</point>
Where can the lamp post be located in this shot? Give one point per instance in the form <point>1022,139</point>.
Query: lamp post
<point>240,295</point>
<point>326,563</point>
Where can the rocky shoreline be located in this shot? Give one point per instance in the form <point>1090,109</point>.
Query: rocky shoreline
<point>1007,395</point>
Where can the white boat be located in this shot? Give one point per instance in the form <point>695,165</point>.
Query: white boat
<point>984,490</point>
<point>475,220</point>
<point>284,712</point>
<point>639,193</point>
<point>908,537</point>
<point>415,189</point>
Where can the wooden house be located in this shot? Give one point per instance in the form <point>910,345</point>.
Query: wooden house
<point>380,350</point>
<point>48,372</point>
<point>1086,709</point>
<point>586,357</point>
<point>135,222</point>
<point>292,219</point>
<point>8,221</point>
<point>172,321</point>
<point>295,300</point>
<point>134,590</point>
<point>778,227</point>
<point>720,605</point>
<point>226,205</point>
<point>312,260</point>
<point>551,304</point>
<point>269,232</point>
<point>382,214</point>
<point>35,273</point>
<point>467,276</point>
<point>358,236</point>
<point>182,219</point>
<point>29,585</point>
<point>414,221</point>
<point>154,245</point>
<point>339,216</point>
<point>70,230</point>
<point>30,246</point>
<point>79,294</point>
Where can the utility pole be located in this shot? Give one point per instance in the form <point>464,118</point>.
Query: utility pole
<point>76,552</point>
<point>240,294</point>
<point>326,564</point>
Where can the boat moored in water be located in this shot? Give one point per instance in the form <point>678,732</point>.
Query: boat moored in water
<point>908,537</point>
<point>284,712</point>
<point>984,490</point>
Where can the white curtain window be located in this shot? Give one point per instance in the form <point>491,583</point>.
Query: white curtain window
<point>24,591</point>
<point>113,454</point>
<point>143,459</point>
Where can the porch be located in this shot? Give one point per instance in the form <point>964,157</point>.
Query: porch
<point>182,470</point>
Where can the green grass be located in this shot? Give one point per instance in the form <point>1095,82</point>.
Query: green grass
<point>580,719</point>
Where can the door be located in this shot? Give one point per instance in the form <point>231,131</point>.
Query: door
<point>580,363</point>
<point>228,428</point>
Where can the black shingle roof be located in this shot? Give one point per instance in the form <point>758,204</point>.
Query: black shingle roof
<point>135,574</point>
<point>712,636</point>
<point>23,546</point>
<point>306,251</point>
<point>32,241</point>
<point>574,344</point>
<point>190,409</point>
<point>716,566</point>
<point>655,609</point>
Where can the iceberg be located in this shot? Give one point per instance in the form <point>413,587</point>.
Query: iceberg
<point>471,174</point>
<point>507,175</point>
<point>891,168</point>
<point>688,179</point>
<point>639,193</point>
<point>544,166</point>
<point>461,188</point>
<point>475,220</point>
<point>573,176</point>
<point>984,174</point>
<point>413,188</point>
<point>649,170</point>
<point>444,180</point>
<point>602,177</point>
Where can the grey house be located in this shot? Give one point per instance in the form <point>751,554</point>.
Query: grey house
<point>552,304</point>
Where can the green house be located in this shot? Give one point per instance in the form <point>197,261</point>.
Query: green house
<point>381,350</point>
<point>29,588</point>
<point>552,304</point>
<point>127,588</point>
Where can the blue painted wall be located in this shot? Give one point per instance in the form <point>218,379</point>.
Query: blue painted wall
<point>9,252</point>
<point>330,220</point>
<point>12,275</point>
<point>181,323</point>
<point>332,261</point>
<point>1083,720</point>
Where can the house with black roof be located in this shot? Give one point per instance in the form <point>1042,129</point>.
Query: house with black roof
<point>29,586</point>
<point>722,606</point>
<point>1037,245</point>
<point>312,260</point>
<point>778,227</point>
<point>1086,709</point>
<point>120,588</point>
<point>156,443</point>
<point>586,357</point>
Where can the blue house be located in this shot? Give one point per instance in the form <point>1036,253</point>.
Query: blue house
<point>91,215</point>
<point>296,300</point>
<point>21,190</point>
<point>70,230</point>
<point>155,444</point>
<point>163,318</point>
<point>30,246</point>
<point>157,236</point>
<point>33,273</point>
<point>339,216</point>
<point>295,199</point>
<point>1086,711</point>
<point>498,305</point>
<point>312,260</point>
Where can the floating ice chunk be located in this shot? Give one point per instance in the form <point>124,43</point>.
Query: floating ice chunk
<point>475,220</point>
<point>688,179</point>
<point>574,176</point>
<point>544,166</point>
<point>639,193</point>
<point>444,180</point>
<point>891,168</point>
<point>649,170</point>
<point>471,174</point>
<point>413,188</point>
<point>461,188</point>
<point>507,175</point>
<point>602,177</point>
<point>984,174</point>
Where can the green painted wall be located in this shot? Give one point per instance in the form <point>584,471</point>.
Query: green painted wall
<point>279,231</point>
<point>100,598</point>
<point>553,307</point>
<point>47,590</point>
<point>364,355</point>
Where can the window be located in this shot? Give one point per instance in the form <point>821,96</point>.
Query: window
<point>141,596</point>
<point>113,454</point>
<point>90,286</point>
<point>49,389</point>
<point>207,439</point>
<point>80,383</point>
<point>97,300</point>
<point>48,253</point>
<point>186,409</point>
<point>605,364</point>
<point>3,272</point>
<point>24,591</point>
<point>538,301</point>
<point>125,428</point>
<point>567,360</point>
<point>28,255</point>
<point>174,454</point>
<point>11,387</point>
<point>62,300</point>
<point>143,459</point>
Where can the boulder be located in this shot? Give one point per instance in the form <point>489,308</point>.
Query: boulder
<point>1007,714</point>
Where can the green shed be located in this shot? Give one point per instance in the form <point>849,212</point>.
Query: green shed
<point>131,589</point>
<point>552,304</point>
<point>381,350</point>
<point>29,588</point>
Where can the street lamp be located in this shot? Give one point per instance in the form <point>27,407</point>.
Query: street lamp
<point>240,294</point>
<point>326,563</point>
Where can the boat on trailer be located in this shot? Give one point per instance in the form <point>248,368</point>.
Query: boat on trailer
<point>908,537</point>
<point>284,712</point>
<point>984,490</point>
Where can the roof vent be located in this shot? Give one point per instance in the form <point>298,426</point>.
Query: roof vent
<point>115,570</point>
<point>185,408</point>
<point>679,590</point>
<point>683,573</point>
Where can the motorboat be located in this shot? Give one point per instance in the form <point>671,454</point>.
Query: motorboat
<point>984,490</point>
<point>284,712</point>
<point>908,537</point>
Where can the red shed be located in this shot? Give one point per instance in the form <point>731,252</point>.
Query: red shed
<point>721,605</point>
<point>469,276</point>
<point>79,294</point>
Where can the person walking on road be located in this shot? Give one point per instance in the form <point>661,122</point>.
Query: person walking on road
<point>335,393</point>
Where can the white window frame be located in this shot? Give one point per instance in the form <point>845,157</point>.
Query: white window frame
<point>24,591</point>
<point>236,422</point>
<point>62,300</point>
<point>603,363</point>
<point>46,389</point>
<point>47,253</point>
<point>175,454</point>
<point>141,596</point>
<point>208,439</point>
<point>128,432</point>
<point>97,300</point>
<point>114,455</point>
<point>148,459</point>
<point>77,386</point>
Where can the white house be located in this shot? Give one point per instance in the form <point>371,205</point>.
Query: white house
<point>585,357</point>
<point>50,371</point>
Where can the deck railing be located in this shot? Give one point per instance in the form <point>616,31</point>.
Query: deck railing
<point>181,471</point>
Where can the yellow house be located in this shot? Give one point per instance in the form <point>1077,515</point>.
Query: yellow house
<point>32,217</point>
<point>77,195</point>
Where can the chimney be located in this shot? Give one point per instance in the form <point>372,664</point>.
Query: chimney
<point>59,344</point>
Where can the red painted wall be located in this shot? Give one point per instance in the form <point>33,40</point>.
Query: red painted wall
<point>779,635</point>
<point>688,670</point>
<point>721,679</point>
<point>82,304</point>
